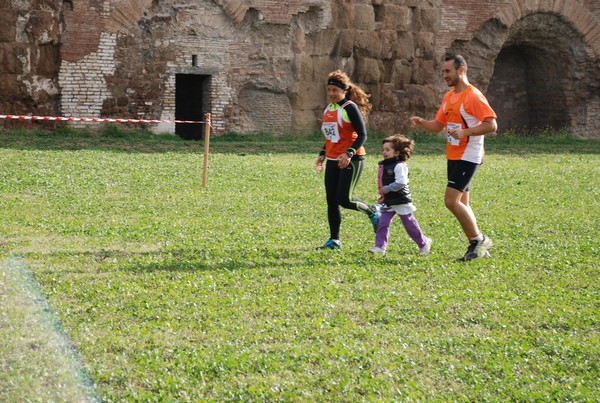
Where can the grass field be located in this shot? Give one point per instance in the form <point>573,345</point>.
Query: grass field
<point>170,292</point>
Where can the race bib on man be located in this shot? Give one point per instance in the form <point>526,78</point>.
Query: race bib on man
<point>450,127</point>
<point>330,131</point>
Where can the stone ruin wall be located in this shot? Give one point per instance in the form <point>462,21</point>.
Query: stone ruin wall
<point>268,59</point>
<point>29,57</point>
<point>539,60</point>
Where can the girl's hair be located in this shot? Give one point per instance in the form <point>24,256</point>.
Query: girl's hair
<point>402,144</point>
<point>354,92</point>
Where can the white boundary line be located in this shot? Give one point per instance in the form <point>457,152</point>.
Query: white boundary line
<point>41,363</point>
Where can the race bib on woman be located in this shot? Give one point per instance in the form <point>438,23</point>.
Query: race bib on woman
<point>330,131</point>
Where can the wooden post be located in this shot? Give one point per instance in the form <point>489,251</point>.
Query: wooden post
<point>206,149</point>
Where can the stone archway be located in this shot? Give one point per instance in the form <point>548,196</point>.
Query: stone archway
<point>541,75</point>
<point>539,67</point>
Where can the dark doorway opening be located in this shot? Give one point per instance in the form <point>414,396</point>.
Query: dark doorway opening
<point>191,103</point>
<point>528,88</point>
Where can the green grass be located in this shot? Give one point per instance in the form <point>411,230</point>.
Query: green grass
<point>169,291</point>
<point>37,361</point>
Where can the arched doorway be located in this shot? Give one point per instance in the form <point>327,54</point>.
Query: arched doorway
<point>537,73</point>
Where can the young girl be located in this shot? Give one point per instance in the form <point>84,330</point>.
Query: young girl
<point>395,194</point>
<point>343,126</point>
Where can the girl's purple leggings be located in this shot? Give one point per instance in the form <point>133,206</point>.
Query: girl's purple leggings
<point>410,225</point>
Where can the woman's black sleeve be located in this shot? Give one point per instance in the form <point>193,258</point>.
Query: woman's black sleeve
<point>359,125</point>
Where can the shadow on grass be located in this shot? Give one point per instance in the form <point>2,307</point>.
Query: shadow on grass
<point>204,260</point>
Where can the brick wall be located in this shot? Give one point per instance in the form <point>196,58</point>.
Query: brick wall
<point>267,58</point>
<point>83,82</point>
<point>517,56</point>
<point>461,18</point>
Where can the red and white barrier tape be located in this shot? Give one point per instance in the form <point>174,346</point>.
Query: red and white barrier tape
<point>107,120</point>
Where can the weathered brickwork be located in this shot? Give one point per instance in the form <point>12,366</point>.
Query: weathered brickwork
<point>261,63</point>
<point>538,59</point>
<point>83,83</point>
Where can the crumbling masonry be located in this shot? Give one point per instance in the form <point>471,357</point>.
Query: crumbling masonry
<point>260,65</point>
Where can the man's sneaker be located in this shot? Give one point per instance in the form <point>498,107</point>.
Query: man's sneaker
<point>374,217</point>
<point>424,251</point>
<point>477,249</point>
<point>377,251</point>
<point>331,244</point>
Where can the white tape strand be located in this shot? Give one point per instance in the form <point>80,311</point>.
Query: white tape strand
<point>95,120</point>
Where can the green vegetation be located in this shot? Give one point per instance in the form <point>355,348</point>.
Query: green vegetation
<point>169,291</point>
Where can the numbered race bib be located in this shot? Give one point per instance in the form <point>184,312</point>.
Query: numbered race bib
<point>330,131</point>
<point>452,126</point>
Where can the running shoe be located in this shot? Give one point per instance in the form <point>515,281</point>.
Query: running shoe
<point>374,217</point>
<point>331,244</point>
<point>477,249</point>
<point>424,251</point>
<point>377,251</point>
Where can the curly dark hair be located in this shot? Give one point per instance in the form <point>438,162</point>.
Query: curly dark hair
<point>402,144</point>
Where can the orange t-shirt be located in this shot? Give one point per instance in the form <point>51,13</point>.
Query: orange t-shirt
<point>338,131</point>
<point>468,108</point>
